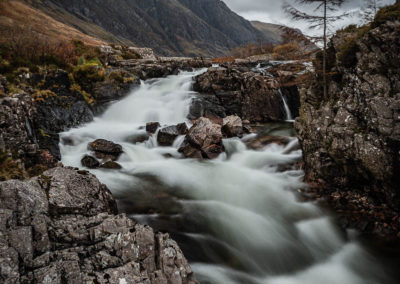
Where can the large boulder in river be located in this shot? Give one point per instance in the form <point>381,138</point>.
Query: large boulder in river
<point>104,149</point>
<point>62,227</point>
<point>204,139</point>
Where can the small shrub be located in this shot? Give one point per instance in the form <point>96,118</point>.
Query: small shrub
<point>89,73</point>
<point>347,54</point>
<point>287,51</point>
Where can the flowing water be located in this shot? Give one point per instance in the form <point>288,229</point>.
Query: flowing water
<point>237,218</point>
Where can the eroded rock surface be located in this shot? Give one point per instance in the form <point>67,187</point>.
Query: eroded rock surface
<point>238,91</point>
<point>62,227</point>
<point>351,140</point>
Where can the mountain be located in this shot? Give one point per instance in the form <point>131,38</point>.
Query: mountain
<point>278,33</point>
<point>170,27</point>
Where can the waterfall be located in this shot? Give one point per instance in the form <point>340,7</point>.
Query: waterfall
<point>286,106</point>
<point>237,218</point>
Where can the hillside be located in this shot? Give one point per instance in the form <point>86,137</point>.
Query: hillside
<point>19,16</point>
<point>172,27</point>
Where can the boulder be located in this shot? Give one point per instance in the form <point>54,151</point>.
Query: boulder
<point>167,135</point>
<point>62,227</point>
<point>204,133</point>
<point>90,162</point>
<point>152,127</point>
<point>204,140</point>
<point>111,165</point>
<point>104,149</point>
<point>232,126</point>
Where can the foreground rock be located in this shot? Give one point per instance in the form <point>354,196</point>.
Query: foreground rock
<point>351,140</point>
<point>104,149</point>
<point>233,91</point>
<point>204,140</point>
<point>62,227</point>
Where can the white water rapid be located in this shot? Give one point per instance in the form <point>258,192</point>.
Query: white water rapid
<point>237,218</point>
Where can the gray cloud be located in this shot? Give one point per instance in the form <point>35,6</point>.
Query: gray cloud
<point>271,11</point>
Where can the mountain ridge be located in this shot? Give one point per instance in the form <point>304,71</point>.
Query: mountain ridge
<point>172,28</point>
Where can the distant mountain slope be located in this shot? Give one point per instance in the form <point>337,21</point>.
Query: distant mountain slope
<point>273,31</point>
<point>277,33</point>
<point>17,15</point>
<point>170,27</point>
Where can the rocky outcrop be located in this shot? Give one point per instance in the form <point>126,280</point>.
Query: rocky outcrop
<point>204,140</point>
<point>351,140</point>
<point>18,135</point>
<point>238,91</point>
<point>62,227</point>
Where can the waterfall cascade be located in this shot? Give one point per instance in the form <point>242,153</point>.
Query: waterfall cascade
<point>236,218</point>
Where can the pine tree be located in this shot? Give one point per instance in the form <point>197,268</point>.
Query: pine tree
<point>323,16</point>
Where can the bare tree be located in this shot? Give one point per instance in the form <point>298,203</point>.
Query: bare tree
<point>371,9</point>
<point>324,13</point>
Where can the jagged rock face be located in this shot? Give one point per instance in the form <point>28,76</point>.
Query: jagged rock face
<point>229,91</point>
<point>62,228</point>
<point>352,139</point>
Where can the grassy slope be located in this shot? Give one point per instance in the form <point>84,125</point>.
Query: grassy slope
<point>15,13</point>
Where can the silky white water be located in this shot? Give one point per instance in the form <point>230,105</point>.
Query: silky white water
<point>237,218</point>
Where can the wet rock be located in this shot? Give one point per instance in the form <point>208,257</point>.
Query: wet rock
<point>104,149</point>
<point>152,127</point>
<point>204,137</point>
<point>204,133</point>
<point>111,165</point>
<point>232,126</point>
<point>231,91</point>
<point>62,228</point>
<point>260,141</point>
<point>167,135</point>
<point>90,162</point>
<point>189,151</point>
<point>182,128</point>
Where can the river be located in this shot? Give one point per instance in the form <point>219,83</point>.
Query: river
<point>237,218</point>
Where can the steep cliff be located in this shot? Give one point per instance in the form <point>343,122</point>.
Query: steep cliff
<point>351,139</point>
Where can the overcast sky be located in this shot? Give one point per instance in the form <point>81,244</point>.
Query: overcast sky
<point>271,11</point>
